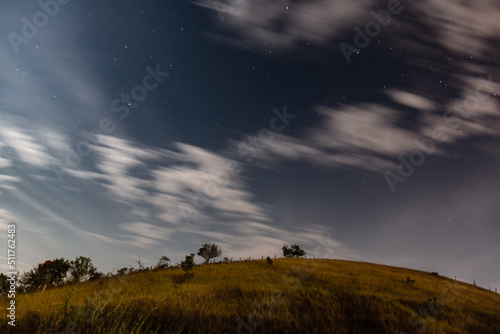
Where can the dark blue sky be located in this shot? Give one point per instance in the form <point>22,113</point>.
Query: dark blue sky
<point>293,122</point>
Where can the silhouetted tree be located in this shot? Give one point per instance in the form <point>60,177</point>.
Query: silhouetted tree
<point>187,265</point>
<point>293,251</point>
<point>82,270</point>
<point>52,273</point>
<point>96,275</point>
<point>209,251</point>
<point>141,265</point>
<point>122,271</point>
<point>163,262</point>
<point>4,284</point>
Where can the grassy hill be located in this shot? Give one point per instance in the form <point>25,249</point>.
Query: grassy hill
<point>290,296</point>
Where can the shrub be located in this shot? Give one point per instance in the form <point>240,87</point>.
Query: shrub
<point>4,284</point>
<point>209,251</point>
<point>52,273</point>
<point>122,271</point>
<point>187,265</point>
<point>96,275</point>
<point>409,280</point>
<point>82,269</point>
<point>293,251</point>
<point>163,263</point>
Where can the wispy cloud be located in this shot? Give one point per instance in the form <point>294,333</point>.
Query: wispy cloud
<point>275,27</point>
<point>28,150</point>
<point>371,135</point>
<point>6,217</point>
<point>158,186</point>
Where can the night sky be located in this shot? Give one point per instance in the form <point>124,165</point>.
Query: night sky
<point>145,128</point>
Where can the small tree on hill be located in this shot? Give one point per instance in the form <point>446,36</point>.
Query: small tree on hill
<point>187,265</point>
<point>209,251</point>
<point>4,283</point>
<point>141,265</point>
<point>122,271</point>
<point>52,273</point>
<point>293,251</point>
<point>82,269</point>
<point>55,271</point>
<point>163,262</point>
<point>96,275</point>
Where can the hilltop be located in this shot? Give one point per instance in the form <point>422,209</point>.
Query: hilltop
<point>289,296</point>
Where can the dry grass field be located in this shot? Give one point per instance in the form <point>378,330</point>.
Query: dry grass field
<point>289,296</point>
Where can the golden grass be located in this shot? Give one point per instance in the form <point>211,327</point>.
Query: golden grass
<point>291,296</point>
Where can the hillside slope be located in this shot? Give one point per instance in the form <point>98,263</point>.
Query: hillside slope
<point>289,296</point>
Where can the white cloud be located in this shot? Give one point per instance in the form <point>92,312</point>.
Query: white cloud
<point>370,135</point>
<point>259,25</point>
<point>26,146</point>
<point>411,100</point>
<point>269,25</point>
<point>162,187</point>
<point>6,217</point>
<point>148,231</point>
<point>5,181</point>
<point>3,162</point>
<point>461,24</point>
<point>102,238</point>
<point>364,136</point>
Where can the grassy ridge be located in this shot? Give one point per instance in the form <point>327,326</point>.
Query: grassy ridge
<point>291,296</point>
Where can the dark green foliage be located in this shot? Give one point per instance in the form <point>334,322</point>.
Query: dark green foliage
<point>122,271</point>
<point>96,275</point>
<point>269,261</point>
<point>209,251</point>
<point>52,273</point>
<point>4,284</point>
<point>163,263</point>
<point>82,270</point>
<point>187,265</point>
<point>293,251</point>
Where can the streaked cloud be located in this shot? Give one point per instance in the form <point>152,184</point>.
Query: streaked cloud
<point>6,217</point>
<point>279,26</point>
<point>371,135</point>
